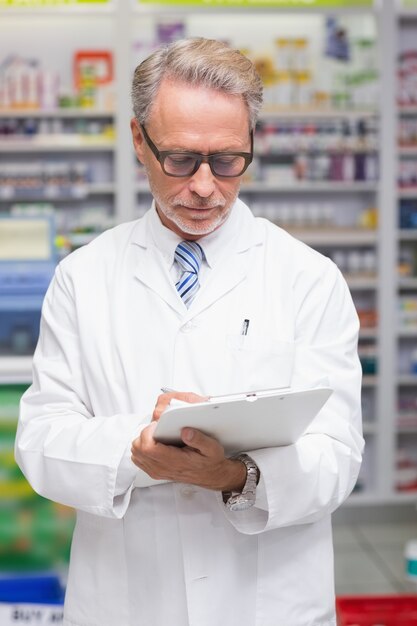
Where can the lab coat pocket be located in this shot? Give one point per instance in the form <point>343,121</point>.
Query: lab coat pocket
<point>259,362</point>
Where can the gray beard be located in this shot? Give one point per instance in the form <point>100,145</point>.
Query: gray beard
<point>186,227</point>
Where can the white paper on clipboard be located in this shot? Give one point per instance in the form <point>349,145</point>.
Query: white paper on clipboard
<point>244,421</point>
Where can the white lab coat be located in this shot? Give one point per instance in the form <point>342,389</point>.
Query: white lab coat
<point>113,331</point>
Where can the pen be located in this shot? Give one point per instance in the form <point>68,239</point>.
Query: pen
<point>166,389</point>
<point>245,327</point>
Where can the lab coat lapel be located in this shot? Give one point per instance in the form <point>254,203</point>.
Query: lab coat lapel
<point>151,268</point>
<point>220,283</point>
<point>234,266</point>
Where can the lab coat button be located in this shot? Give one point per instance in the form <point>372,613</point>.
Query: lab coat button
<point>187,492</point>
<point>188,327</point>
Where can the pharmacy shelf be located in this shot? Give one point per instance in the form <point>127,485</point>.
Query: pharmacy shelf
<point>407,151</point>
<point>335,237</point>
<point>368,333</point>
<point>73,10</point>
<point>369,381</point>
<point>370,498</point>
<point>370,428</point>
<point>409,192</point>
<point>308,150</point>
<point>64,143</point>
<point>77,192</point>
<point>407,110</point>
<point>70,113</point>
<point>361,283</point>
<point>407,283</point>
<point>407,380</point>
<point>81,239</point>
<point>15,369</point>
<point>324,114</point>
<point>409,234</point>
<point>356,193</point>
<point>406,430</point>
<point>407,14</point>
<point>309,187</point>
<point>407,332</point>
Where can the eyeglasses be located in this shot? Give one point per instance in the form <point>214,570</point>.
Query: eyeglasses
<point>182,164</point>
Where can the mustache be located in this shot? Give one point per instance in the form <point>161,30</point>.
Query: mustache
<point>200,203</point>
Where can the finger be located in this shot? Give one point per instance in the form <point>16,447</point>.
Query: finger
<point>161,404</point>
<point>190,396</point>
<point>207,446</point>
<point>164,400</point>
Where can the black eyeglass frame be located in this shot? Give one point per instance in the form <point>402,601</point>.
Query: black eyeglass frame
<point>161,155</point>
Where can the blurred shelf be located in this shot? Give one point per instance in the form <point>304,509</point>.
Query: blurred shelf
<point>368,333</point>
<point>407,332</point>
<point>407,234</point>
<point>369,381</point>
<point>77,192</point>
<point>407,110</point>
<point>409,192</point>
<point>316,114</point>
<point>361,283</point>
<point>15,369</point>
<point>70,113</point>
<point>369,428</point>
<point>309,187</point>
<point>405,14</point>
<point>407,151</point>
<point>94,10</point>
<point>339,237</point>
<point>80,239</point>
<point>407,380</point>
<point>407,283</point>
<point>370,498</point>
<point>64,143</point>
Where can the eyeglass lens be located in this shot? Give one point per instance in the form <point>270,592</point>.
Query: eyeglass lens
<point>222,165</point>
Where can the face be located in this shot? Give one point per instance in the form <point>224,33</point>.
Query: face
<point>194,119</point>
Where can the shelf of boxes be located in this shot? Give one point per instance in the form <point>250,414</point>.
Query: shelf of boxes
<point>63,113</point>
<point>327,236</point>
<point>58,144</point>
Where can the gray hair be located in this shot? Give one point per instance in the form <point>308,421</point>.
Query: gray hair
<point>197,61</point>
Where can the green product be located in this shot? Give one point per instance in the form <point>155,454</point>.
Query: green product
<point>35,533</point>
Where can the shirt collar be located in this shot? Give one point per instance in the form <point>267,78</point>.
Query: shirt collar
<point>214,245</point>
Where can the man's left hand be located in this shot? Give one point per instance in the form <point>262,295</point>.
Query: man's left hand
<point>201,462</point>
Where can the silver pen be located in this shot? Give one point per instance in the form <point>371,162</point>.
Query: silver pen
<point>167,389</point>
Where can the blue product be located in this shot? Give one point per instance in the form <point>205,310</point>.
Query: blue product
<point>24,281</point>
<point>32,589</point>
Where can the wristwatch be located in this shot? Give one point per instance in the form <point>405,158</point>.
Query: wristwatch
<point>246,498</point>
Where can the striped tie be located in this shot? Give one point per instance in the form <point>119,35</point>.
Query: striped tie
<point>189,255</point>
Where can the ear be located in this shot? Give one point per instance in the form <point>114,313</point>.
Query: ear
<point>138,140</point>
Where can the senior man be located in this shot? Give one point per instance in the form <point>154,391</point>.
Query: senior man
<point>186,536</point>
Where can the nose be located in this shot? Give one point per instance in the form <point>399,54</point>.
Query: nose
<point>203,182</point>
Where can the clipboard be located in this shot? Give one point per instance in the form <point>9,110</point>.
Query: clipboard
<point>248,420</point>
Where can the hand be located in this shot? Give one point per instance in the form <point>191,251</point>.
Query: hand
<point>201,462</point>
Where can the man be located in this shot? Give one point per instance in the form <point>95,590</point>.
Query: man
<point>252,309</point>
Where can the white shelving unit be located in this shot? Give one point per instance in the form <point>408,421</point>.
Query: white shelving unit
<point>405,341</point>
<point>125,24</point>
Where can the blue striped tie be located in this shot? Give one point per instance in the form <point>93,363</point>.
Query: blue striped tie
<point>189,255</point>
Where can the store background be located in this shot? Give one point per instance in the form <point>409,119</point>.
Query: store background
<point>335,164</point>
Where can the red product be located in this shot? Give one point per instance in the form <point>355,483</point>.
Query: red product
<point>400,610</point>
<point>100,60</point>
